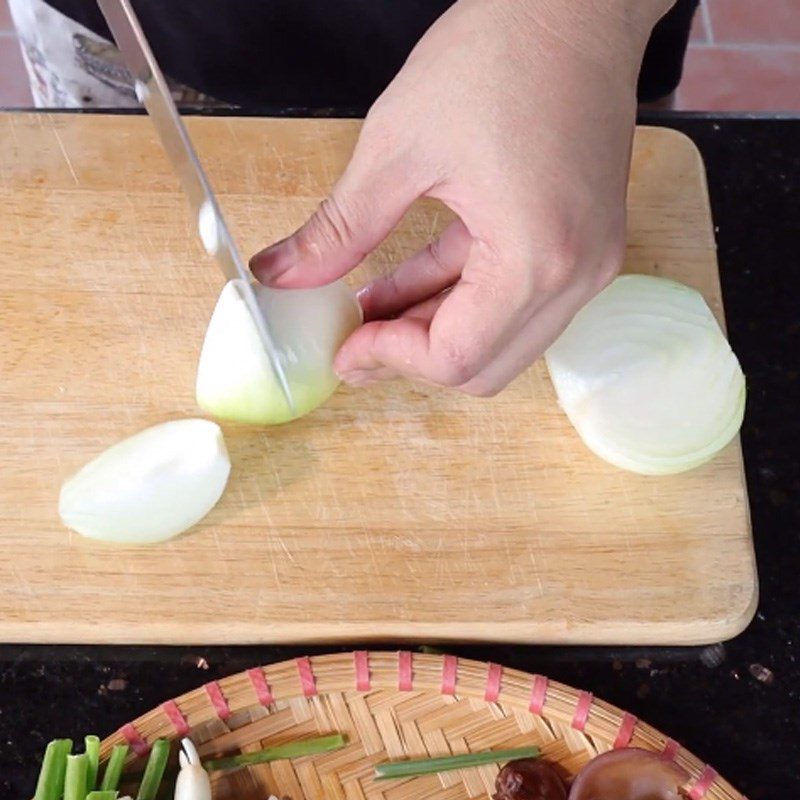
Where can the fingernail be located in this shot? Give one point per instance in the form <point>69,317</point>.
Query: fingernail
<point>271,261</point>
<point>363,292</point>
<point>363,298</point>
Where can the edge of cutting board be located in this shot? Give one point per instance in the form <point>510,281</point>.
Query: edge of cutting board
<point>259,633</point>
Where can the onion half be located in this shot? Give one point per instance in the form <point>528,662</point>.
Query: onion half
<point>149,487</point>
<point>647,377</point>
<point>234,378</point>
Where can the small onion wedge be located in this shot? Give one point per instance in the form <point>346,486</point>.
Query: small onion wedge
<point>149,487</point>
<point>647,377</point>
<point>234,377</point>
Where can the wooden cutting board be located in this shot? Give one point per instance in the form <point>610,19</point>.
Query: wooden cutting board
<point>397,513</point>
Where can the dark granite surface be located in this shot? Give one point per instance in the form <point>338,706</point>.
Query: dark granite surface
<point>736,706</point>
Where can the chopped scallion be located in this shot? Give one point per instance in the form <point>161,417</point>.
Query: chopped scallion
<point>310,747</point>
<point>114,768</point>
<point>75,779</point>
<point>427,766</point>
<point>92,744</point>
<point>50,785</point>
<point>154,771</point>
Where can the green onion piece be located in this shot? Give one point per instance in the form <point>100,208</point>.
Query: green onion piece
<point>310,747</point>
<point>114,768</point>
<point>93,752</point>
<point>75,780</point>
<point>66,749</point>
<point>50,785</point>
<point>154,771</point>
<point>426,766</point>
<point>108,795</point>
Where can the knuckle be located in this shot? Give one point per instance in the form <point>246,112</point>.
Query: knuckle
<point>375,120</point>
<point>609,267</point>
<point>453,366</point>
<point>331,225</point>
<point>507,279</point>
<point>561,270</point>
<point>378,140</point>
<point>451,373</point>
<point>594,262</point>
<point>480,388</point>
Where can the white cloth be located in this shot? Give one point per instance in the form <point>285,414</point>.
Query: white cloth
<point>71,67</point>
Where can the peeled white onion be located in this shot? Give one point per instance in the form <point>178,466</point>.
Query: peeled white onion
<point>149,487</point>
<point>234,378</point>
<point>647,377</point>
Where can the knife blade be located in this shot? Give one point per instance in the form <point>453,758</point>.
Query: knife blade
<point>153,92</point>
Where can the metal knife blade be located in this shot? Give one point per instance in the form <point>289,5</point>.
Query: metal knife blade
<point>154,94</point>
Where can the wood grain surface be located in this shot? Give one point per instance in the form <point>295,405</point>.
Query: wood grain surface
<point>396,513</point>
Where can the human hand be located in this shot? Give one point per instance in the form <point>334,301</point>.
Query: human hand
<point>519,116</point>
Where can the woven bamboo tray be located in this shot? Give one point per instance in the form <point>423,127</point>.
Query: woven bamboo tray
<point>394,706</point>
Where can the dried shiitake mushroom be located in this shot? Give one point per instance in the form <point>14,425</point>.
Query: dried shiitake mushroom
<point>529,779</point>
<point>629,774</point>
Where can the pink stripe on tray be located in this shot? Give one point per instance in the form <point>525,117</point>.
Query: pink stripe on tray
<point>538,694</point>
<point>625,732</point>
<point>449,673</point>
<point>132,737</point>
<point>493,678</point>
<point>671,748</point>
<point>260,686</point>
<point>173,713</point>
<point>306,673</point>
<point>361,664</point>
<point>405,671</point>
<point>585,700</point>
<point>703,784</point>
<point>218,700</point>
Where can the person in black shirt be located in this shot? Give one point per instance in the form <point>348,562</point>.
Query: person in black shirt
<point>517,114</point>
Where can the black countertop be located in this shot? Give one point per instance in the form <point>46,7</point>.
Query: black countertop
<point>735,705</point>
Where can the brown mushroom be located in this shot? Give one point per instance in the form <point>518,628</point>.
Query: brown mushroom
<point>529,779</point>
<point>628,774</point>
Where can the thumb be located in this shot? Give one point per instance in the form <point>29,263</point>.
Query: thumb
<point>364,207</point>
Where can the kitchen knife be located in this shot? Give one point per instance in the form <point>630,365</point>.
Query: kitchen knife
<point>153,92</point>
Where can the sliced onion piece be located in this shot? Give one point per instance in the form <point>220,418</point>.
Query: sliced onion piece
<point>647,377</point>
<point>149,487</point>
<point>234,378</point>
